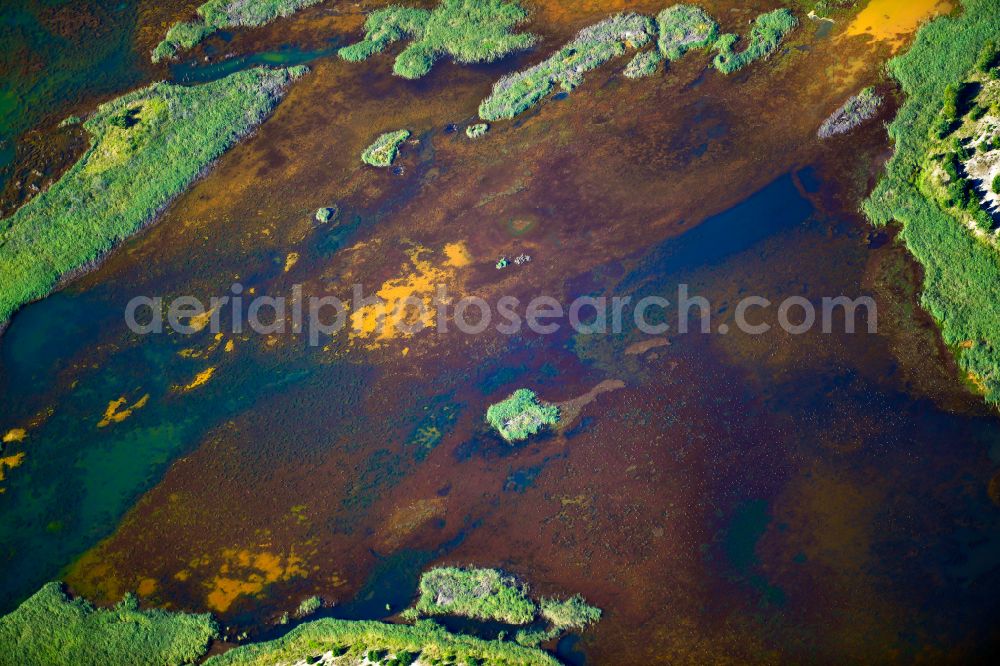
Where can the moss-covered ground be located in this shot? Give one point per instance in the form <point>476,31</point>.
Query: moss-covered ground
<point>382,152</point>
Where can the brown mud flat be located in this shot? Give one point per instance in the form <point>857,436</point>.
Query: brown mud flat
<point>820,451</point>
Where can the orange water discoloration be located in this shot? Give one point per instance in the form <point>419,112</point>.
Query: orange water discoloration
<point>147,587</point>
<point>245,573</point>
<point>408,300</point>
<point>458,255</point>
<point>894,21</point>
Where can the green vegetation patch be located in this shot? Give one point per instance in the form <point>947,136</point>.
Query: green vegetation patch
<point>572,613</point>
<point>683,28</point>
<point>327,213</point>
<point>854,112</point>
<point>180,37</point>
<point>350,642</point>
<point>592,47</point>
<point>49,628</point>
<point>220,14</point>
<point>482,594</point>
<point>477,130</point>
<point>309,606</point>
<point>469,31</point>
<point>383,151</point>
<point>767,33</point>
<point>961,272</point>
<point>645,63</point>
<point>521,415</point>
<point>146,147</point>
<point>568,615</point>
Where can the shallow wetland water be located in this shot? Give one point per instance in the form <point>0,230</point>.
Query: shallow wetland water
<point>740,499</point>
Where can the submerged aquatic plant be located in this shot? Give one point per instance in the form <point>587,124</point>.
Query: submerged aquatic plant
<point>469,31</point>
<point>382,153</point>
<point>521,415</point>
<point>767,33</point>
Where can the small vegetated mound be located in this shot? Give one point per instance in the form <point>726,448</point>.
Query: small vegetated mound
<point>766,35</point>
<point>219,14</point>
<point>469,31</point>
<point>592,47</point>
<point>146,147</point>
<point>50,628</point>
<point>477,130</point>
<point>327,213</point>
<point>309,606</point>
<point>521,415</point>
<point>481,594</point>
<point>383,151</point>
<point>851,114</point>
<point>683,28</point>
<point>571,614</point>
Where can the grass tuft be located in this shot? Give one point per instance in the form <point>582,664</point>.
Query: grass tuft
<point>521,415</point>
